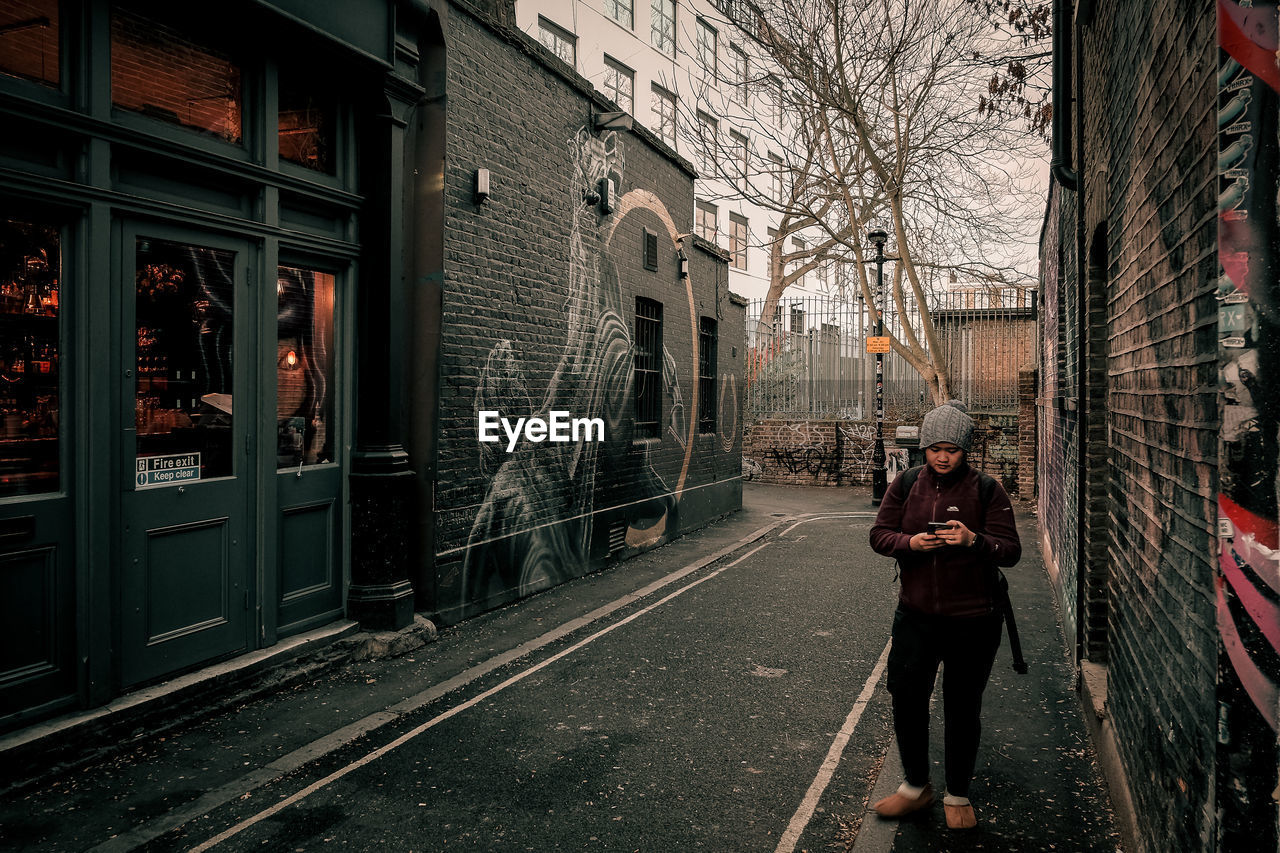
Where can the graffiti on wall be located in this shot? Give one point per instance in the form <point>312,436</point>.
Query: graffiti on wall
<point>1247,584</point>
<point>536,525</point>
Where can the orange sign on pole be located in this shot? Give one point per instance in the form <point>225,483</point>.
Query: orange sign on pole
<point>877,344</point>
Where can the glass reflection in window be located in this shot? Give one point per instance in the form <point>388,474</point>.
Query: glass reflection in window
<point>159,71</point>
<point>29,39</point>
<point>185,328</point>
<point>304,367</point>
<point>29,358</point>
<point>307,120</point>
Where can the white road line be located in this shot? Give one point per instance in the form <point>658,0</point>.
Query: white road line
<point>457,709</point>
<point>810,803</point>
<point>333,741</point>
<point>827,518</point>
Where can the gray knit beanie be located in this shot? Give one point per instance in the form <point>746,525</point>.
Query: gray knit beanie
<point>947,424</point>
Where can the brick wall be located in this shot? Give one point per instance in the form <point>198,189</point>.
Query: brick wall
<point>1147,416</point>
<point>839,453</point>
<point>539,314</point>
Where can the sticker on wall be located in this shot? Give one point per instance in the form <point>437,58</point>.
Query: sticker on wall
<point>167,470</point>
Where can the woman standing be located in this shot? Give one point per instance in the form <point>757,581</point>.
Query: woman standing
<point>949,529</point>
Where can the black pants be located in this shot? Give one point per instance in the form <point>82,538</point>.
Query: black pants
<point>967,646</point>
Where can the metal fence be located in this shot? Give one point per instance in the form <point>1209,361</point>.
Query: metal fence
<point>809,359</point>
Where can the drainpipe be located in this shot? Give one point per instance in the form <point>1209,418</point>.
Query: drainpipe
<point>1060,163</point>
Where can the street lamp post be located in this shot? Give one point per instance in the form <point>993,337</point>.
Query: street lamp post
<point>879,471</point>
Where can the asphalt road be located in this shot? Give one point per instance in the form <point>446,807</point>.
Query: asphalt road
<point>737,705</point>
<point>696,718</point>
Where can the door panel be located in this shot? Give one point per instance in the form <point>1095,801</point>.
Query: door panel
<point>309,477</point>
<point>189,403</point>
<point>37,565</point>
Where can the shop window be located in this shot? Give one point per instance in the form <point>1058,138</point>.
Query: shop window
<point>304,367</point>
<point>185,332</point>
<point>648,369</point>
<point>308,116</point>
<point>706,375</point>
<point>161,72</point>
<point>29,40</point>
<point>29,358</point>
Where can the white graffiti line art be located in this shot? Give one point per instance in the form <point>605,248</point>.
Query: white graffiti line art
<point>728,419</point>
<point>535,526</point>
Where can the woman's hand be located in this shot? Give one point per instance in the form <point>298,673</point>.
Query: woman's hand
<point>956,534</point>
<point>926,542</point>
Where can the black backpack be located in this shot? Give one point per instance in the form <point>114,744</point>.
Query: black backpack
<point>1000,592</point>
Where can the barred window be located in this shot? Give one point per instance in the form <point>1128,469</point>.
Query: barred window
<point>559,41</point>
<point>648,368</point>
<point>706,375</point>
<point>664,114</point>
<point>621,11</point>
<point>738,235</point>
<point>619,83</point>
<point>662,25</point>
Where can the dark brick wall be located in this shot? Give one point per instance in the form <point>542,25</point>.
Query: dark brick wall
<point>1149,407</point>
<point>1057,460</point>
<point>539,314</point>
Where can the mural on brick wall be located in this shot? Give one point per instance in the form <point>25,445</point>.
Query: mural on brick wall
<point>536,524</point>
<point>1248,584</point>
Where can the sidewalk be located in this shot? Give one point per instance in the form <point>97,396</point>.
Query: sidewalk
<point>1038,787</point>
<point>1038,784</point>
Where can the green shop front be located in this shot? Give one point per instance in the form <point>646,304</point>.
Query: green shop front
<point>200,250</point>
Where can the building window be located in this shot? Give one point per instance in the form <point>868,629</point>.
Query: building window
<point>705,226</point>
<point>30,350</point>
<point>648,371</point>
<point>621,11</point>
<point>706,375</point>
<point>29,29</point>
<point>304,367</point>
<point>619,83</point>
<point>664,114</point>
<point>708,142</point>
<point>707,48</point>
<point>739,75</point>
<point>738,235</point>
<point>662,25</point>
<point>161,72</point>
<point>741,151</point>
<point>650,250</point>
<point>559,41</point>
<point>775,178</point>
<point>307,118</point>
<point>800,248</point>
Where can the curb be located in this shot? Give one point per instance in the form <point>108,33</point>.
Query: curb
<point>76,739</point>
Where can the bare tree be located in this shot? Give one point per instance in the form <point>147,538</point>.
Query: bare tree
<point>889,120</point>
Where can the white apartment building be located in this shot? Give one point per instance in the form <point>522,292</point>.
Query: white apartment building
<point>684,72</point>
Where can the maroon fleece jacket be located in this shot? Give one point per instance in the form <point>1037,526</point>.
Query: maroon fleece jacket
<point>954,580</point>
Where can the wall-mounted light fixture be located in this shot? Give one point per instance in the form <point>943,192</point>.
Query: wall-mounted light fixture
<point>684,263</point>
<point>608,195</point>
<point>482,186</point>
